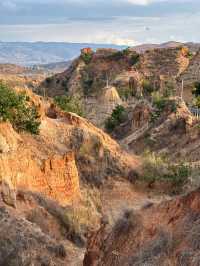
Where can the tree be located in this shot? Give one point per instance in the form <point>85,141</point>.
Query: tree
<point>17,109</point>
<point>118,116</point>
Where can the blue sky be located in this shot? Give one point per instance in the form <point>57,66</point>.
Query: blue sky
<point>129,22</point>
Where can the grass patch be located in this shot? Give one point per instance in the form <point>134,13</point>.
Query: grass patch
<point>158,168</point>
<point>69,104</point>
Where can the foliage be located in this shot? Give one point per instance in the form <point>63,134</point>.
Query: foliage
<point>118,116</point>
<point>16,108</point>
<point>87,82</point>
<point>87,57</point>
<point>159,103</point>
<point>197,101</point>
<point>161,169</point>
<point>125,93</point>
<point>69,104</point>
<point>147,86</point>
<point>118,55</point>
<point>134,58</point>
<point>49,80</point>
<point>169,90</point>
<point>196,89</point>
<point>186,52</point>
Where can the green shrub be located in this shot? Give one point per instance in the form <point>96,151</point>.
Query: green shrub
<point>86,57</point>
<point>196,89</point>
<point>49,80</point>
<point>159,168</point>
<point>117,55</point>
<point>159,103</point>
<point>118,116</point>
<point>147,86</point>
<point>134,58</point>
<point>69,104</point>
<point>197,101</point>
<point>16,108</point>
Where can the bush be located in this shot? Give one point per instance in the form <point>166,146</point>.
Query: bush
<point>147,87</point>
<point>87,57</point>
<point>69,104</point>
<point>134,58</point>
<point>196,89</point>
<point>157,168</point>
<point>118,116</point>
<point>159,103</point>
<point>16,108</point>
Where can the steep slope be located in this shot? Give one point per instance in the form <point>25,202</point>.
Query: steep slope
<point>175,134</point>
<point>190,76</point>
<point>46,163</point>
<point>158,234</point>
<point>51,183</point>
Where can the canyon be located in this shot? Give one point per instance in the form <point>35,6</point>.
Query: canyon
<point>118,185</point>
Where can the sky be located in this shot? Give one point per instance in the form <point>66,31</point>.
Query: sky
<point>123,22</point>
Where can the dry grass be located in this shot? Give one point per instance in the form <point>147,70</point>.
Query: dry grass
<point>154,252</point>
<point>129,221</point>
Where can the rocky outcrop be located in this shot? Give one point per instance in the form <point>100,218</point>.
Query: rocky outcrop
<point>139,115</point>
<point>189,77</point>
<point>98,110</point>
<point>55,177</point>
<point>174,133</point>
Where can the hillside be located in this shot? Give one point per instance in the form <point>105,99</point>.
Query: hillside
<point>158,234</point>
<point>131,74</point>
<point>27,53</point>
<point>57,173</point>
<point>72,194</point>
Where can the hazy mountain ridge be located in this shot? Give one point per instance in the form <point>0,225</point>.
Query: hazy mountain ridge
<point>36,53</point>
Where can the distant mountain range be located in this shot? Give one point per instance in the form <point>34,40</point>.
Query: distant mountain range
<point>37,53</point>
<point>194,47</point>
<point>45,53</point>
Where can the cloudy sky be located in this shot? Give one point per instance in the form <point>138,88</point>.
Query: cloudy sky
<point>129,22</point>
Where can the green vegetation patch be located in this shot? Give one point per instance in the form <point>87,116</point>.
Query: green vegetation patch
<point>160,103</point>
<point>87,57</point>
<point>17,109</point>
<point>69,104</point>
<point>118,116</point>
<point>158,168</point>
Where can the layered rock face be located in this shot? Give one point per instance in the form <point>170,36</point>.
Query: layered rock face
<point>55,176</point>
<point>174,134</point>
<point>67,149</point>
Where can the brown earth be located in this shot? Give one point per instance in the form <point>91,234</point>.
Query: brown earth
<point>157,234</point>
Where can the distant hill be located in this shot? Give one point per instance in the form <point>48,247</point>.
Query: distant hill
<point>52,68</point>
<point>44,53</point>
<point>37,53</point>
<point>194,47</point>
<point>12,69</point>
